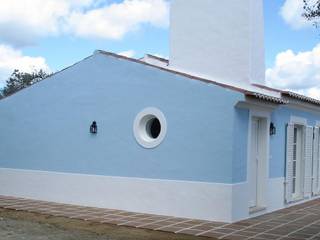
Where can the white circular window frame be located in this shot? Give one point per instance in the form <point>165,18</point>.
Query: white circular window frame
<point>140,131</point>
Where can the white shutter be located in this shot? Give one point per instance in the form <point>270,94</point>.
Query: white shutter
<point>289,160</point>
<point>307,188</point>
<point>315,162</point>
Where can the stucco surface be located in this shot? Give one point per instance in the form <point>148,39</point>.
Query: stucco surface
<point>46,127</point>
<point>227,46</point>
<point>240,145</point>
<point>281,117</point>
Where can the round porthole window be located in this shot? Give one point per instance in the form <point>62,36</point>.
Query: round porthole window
<point>150,127</point>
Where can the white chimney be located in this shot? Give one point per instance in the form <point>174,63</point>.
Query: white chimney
<point>218,39</point>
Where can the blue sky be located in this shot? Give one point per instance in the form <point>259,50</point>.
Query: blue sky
<point>148,39</point>
<point>281,36</point>
<point>65,31</point>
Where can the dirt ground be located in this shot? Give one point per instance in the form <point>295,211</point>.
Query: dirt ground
<point>17,225</point>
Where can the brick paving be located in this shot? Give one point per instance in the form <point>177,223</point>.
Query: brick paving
<point>295,223</point>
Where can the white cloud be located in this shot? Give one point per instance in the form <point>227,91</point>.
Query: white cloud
<point>129,53</point>
<point>115,20</point>
<point>22,22</point>
<point>299,72</point>
<point>292,11</point>
<point>11,59</point>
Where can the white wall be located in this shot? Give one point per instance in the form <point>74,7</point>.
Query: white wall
<point>221,40</point>
<point>196,200</point>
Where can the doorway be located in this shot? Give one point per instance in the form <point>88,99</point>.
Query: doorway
<point>257,175</point>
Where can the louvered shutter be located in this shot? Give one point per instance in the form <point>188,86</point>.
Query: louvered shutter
<point>289,160</point>
<point>315,162</point>
<point>307,188</point>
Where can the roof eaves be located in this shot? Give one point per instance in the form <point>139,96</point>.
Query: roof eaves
<point>158,58</point>
<point>207,81</point>
<point>266,97</point>
<point>301,97</point>
<point>290,94</point>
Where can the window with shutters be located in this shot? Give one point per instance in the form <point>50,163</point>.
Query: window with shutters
<point>300,167</point>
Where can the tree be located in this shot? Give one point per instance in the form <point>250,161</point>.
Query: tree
<point>312,11</point>
<point>19,80</point>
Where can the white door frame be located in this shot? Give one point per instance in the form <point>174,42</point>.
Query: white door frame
<point>253,174</point>
<point>264,136</point>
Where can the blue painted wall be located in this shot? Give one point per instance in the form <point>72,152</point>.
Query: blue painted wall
<point>240,145</point>
<point>45,127</point>
<point>281,117</point>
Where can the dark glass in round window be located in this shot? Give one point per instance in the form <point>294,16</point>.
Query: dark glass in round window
<point>153,128</point>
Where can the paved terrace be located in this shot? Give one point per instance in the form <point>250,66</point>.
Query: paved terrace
<point>297,222</point>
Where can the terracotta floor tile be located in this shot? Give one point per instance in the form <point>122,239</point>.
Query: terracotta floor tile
<point>304,233</point>
<point>267,225</point>
<point>170,229</point>
<point>235,237</point>
<point>282,231</point>
<point>190,232</point>
<point>255,229</point>
<point>297,222</point>
<point>299,235</point>
<point>246,233</point>
<point>249,222</point>
<point>244,223</point>
<point>156,218</point>
<point>268,236</point>
<point>142,216</point>
<point>127,214</point>
<point>235,226</point>
<point>225,230</point>
<point>293,238</point>
<point>164,222</point>
<point>131,224</point>
<point>183,225</point>
<point>206,227</point>
<point>262,239</point>
<point>141,221</point>
<point>212,234</point>
<point>113,216</point>
<point>197,222</point>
